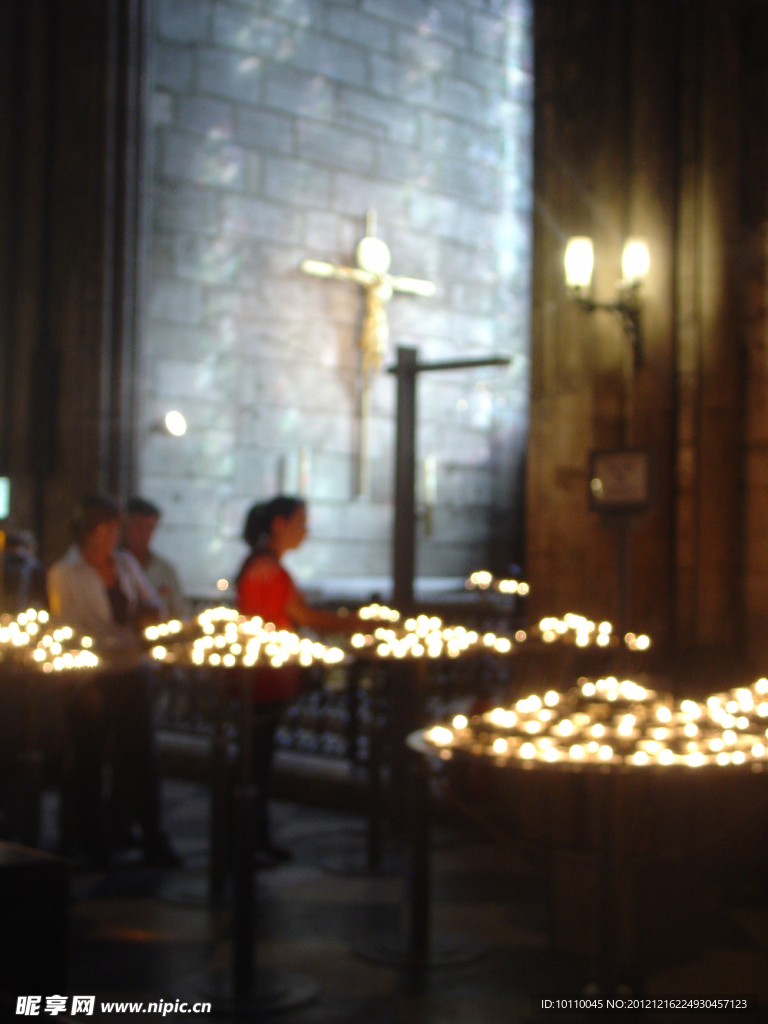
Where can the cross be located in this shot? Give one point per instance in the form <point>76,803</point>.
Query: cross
<point>372,273</point>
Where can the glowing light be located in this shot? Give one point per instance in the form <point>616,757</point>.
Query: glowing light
<point>440,736</point>
<point>502,717</point>
<point>175,423</point>
<point>635,261</point>
<point>579,262</point>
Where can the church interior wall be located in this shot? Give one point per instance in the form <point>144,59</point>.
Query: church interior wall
<point>667,141</point>
<point>276,125</point>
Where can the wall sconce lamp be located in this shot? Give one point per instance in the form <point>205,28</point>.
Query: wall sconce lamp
<point>635,263</point>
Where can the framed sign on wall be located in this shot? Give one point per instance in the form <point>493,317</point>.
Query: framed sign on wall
<point>620,480</point>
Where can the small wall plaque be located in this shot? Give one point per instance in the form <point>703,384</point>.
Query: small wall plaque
<point>620,480</point>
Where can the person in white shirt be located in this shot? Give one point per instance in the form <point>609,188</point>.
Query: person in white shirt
<point>140,524</point>
<point>101,591</point>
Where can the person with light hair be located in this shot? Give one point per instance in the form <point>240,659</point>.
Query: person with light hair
<point>102,592</point>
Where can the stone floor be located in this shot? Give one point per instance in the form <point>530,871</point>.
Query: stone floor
<point>131,942</point>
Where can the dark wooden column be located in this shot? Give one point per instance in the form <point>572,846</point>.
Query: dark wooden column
<point>71,92</point>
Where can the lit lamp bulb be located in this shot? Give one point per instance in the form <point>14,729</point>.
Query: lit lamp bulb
<point>579,262</point>
<point>635,261</point>
<point>175,423</point>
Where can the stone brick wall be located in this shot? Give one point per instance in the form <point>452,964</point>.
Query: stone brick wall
<point>276,124</point>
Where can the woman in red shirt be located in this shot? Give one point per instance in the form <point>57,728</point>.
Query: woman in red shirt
<point>265,588</point>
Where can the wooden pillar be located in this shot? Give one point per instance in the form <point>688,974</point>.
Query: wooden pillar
<point>71,104</point>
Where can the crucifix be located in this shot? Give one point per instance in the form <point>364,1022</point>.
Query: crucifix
<point>372,273</point>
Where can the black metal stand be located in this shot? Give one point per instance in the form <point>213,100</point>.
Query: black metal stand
<point>609,871</point>
<point>246,991</point>
<point>420,949</point>
<point>371,859</point>
<point>210,888</point>
<point>353,712</point>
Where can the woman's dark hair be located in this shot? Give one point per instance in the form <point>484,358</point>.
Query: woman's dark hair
<point>258,522</point>
<point>142,507</point>
<point>92,512</point>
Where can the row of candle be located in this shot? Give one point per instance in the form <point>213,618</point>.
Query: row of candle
<point>584,632</point>
<point>29,639</point>
<point>612,722</point>
<point>571,628</point>
<point>222,637</point>
<point>426,636</point>
<point>422,636</point>
<point>483,580</point>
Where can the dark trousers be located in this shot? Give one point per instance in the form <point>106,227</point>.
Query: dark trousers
<point>110,725</point>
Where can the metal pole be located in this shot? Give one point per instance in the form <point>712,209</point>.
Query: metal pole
<point>353,712</point>
<point>622,574</point>
<point>404,547</point>
<point>419,880</point>
<point>244,924</point>
<point>217,858</point>
<point>405,479</point>
<point>373,844</point>
<point>607,858</point>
